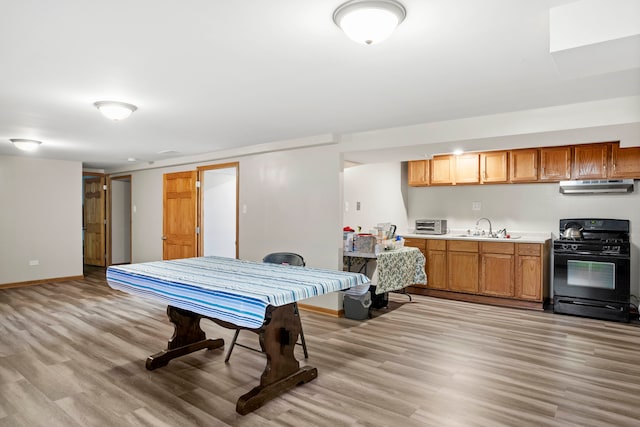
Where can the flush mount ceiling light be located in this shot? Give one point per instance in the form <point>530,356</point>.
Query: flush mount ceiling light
<point>25,144</point>
<point>369,21</point>
<point>115,110</point>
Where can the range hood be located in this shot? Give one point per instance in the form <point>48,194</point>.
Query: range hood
<point>597,186</point>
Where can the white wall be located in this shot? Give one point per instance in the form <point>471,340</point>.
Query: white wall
<point>120,221</point>
<point>292,201</point>
<point>40,219</point>
<point>378,188</point>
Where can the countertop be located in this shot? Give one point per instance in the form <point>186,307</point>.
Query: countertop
<point>516,236</point>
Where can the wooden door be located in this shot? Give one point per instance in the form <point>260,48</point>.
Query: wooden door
<point>467,168</point>
<point>94,221</point>
<point>437,269</point>
<point>625,162</point>
<point>529,278</point>
<point>555,164</point>
<point>493,167</point>
<point>179,215</point>
<point>462,260</point>
<point>442,171</point>
<point>523,165</point>
<point>590,161</point>
<point>418,173</point>
<point>497,275</point>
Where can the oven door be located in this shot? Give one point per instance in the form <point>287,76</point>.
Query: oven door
<point>595,277</point>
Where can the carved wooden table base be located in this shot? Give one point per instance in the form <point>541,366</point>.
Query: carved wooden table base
<point>278,336</point>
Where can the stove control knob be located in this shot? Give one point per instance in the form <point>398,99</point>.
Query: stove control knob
<point>574,247</point>
<point>565,246</point>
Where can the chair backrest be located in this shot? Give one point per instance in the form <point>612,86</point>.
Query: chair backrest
<point>288,258</point>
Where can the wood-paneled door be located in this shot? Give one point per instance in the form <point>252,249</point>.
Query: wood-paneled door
<point>94,221</point>
<point>180,215</point>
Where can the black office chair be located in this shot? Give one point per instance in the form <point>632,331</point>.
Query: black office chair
<point>287,258</point>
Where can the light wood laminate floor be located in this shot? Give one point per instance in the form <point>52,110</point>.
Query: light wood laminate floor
<point>72,354</point>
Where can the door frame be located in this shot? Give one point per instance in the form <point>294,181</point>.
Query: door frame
<point>109,207</point>
<point>201,170</point>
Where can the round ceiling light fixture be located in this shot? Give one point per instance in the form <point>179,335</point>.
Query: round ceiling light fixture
<point>115,110</point>
<point>369,21</point>
<point>25,144</point>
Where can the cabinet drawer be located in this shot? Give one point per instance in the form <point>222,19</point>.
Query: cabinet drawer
<point>497,248</point>
<point>532,249</point>
<point>462,246</point>
<point>437,245</point>
<point>416,243</point>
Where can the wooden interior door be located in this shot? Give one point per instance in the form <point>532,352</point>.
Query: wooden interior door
<point>179,215</point>
<point>94,221</point>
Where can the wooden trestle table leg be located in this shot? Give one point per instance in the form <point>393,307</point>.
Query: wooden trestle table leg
<point>278,336</point>
<point>187,338</point>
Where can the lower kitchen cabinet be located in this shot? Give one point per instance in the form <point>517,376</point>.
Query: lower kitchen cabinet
<point>437,264</point>
<point>530,275</point>
<point>462,261</point>
<point>497,269</point>
<point>499,273</point>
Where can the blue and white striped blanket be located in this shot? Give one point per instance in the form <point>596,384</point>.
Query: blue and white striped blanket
<point>232,290</point>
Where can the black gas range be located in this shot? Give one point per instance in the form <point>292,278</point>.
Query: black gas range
<point>592,268</point>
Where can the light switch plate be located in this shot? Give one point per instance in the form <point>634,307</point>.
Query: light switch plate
<point>476,206</point>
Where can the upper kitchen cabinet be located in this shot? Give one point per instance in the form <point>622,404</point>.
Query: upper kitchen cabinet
<point>555,164</point>
<point>523,165</point>
<point>625,162</point>
<point>590,161</point>
<point>418,171</point>
<point>467,168</point>
<point>442,170</point>
<point>494,167</point>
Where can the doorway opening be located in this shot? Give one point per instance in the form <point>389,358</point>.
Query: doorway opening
<point>119,214</point>
<point>218,213</point>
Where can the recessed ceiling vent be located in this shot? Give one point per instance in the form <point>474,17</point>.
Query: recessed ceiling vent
<point>597,186</point>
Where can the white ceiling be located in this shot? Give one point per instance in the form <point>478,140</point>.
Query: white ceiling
<point>212,75</point>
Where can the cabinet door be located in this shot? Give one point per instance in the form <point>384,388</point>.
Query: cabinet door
<point>493,167</point>
<point>625,162</point>
<point>529,278</point>
<point>467,169</point>
<point>437,269</point>
<point>555,164</point>
<point>418,171</point>
<point>497,275</point>
<point>442,172</point>
<point>523,165</point>
<point>590,161</point>
<point>463,271</point>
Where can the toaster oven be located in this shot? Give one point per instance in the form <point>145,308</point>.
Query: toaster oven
<point>431,226</point>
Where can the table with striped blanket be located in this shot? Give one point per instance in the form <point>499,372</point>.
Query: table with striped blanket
<point>236,294</point>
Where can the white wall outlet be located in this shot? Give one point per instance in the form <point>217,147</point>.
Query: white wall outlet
<point>244,209</point>
<point>346,206</point>
<point>476,206</point>
<point>34,262</point>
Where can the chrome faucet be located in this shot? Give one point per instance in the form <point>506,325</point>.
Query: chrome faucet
<point>486,219</point>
